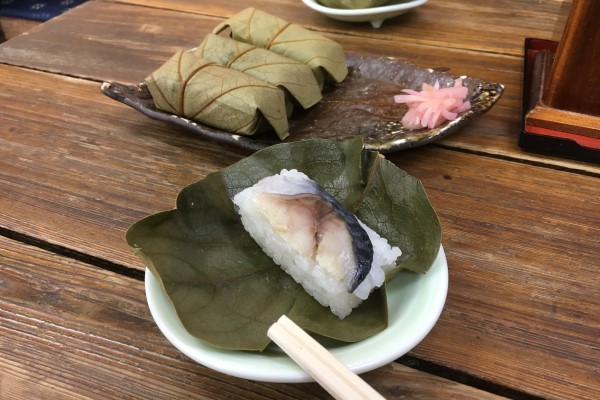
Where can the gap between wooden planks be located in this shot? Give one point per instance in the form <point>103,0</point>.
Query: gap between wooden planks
<point>72,330</point>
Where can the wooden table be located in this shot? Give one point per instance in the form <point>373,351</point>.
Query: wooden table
<point>521,231</point>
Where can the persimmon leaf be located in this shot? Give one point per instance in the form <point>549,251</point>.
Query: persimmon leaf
<point>201,90</point>
<point>227,292</point>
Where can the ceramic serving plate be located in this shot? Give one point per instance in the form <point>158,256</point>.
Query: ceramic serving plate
<point>363,105</point>
<point>374,15</point>
<point>414,301</point>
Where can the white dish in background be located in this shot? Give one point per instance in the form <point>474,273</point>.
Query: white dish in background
<point>374,15</point>
<point>415,303</point>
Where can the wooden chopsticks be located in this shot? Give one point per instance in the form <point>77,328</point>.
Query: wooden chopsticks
<point>319,363</point>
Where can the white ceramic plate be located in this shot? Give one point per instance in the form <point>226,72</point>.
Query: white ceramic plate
<point>374,15</point>
<point>414,301</point>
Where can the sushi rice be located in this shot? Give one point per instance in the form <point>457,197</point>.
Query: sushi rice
<point>328,284</point>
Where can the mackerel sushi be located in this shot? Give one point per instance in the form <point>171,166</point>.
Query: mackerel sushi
<point>336,258</point>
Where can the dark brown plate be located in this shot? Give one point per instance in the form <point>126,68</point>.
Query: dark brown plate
<point>362,105</point>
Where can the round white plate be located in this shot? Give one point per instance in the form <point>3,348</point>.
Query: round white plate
<point>374,15</point>
<point>415,303</point>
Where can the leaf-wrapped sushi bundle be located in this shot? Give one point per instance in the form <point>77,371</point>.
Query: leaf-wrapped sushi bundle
<point>264,30</point>
<point>295,77</point>
<point>250,83</point>
<point>204,91</point>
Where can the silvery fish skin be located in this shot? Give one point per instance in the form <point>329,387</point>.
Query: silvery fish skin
<point>331,222</point>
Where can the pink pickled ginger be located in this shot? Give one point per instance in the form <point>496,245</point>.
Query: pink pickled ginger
<point>432,106</point>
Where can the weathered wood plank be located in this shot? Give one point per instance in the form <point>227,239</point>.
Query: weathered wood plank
<point>72,158</point>
<point>106,41</point>
<point>490,27</point>
<point>145,39</point>
<point>521,240</point>
<point>72,331</point>
<point>523,253</point>
<point>11,27</point>
<point>88,42</point>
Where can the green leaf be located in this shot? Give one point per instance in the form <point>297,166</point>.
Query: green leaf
<point>206,92</point>
<point>228,292</point>
<point>406,219</point>
<point>290,40</point>
<point>295,77</point>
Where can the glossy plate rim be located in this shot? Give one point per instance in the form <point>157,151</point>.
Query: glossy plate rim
<point>415,303</point>
<point>389,139</point>
<point>375,15</point>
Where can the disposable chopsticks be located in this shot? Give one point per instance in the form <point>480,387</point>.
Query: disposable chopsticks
<point>319,363</point>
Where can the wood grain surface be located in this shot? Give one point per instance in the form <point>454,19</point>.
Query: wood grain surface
<point>88,43</point>
<point>77,169</point>
<point>73,331</point>
<point>83,163</point>
<point>465,24</point>
<point>85,180</point>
